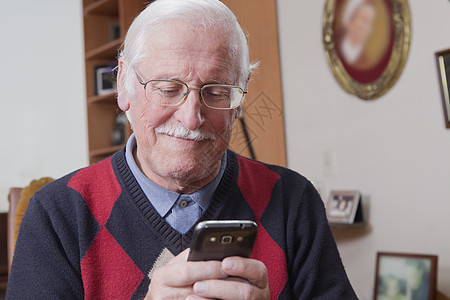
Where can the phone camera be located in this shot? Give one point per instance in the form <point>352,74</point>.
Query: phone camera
<point>226,239</point>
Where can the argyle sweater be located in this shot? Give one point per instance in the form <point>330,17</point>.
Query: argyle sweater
<point>93,234</point>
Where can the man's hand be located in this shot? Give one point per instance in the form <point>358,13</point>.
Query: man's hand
<point>233,278</point>
<point>175,280</point>
<point>248,280</point>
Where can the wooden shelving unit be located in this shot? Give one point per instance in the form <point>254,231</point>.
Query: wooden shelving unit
<point>105,25</point>
<point>101,7</point>
<point>107,50</point>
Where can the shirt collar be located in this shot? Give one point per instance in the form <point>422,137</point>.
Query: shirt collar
<point>163,199</point>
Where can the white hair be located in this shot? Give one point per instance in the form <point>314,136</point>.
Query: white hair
<point>198,14</point>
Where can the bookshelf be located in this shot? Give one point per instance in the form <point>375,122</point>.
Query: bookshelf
<point>105,25</point>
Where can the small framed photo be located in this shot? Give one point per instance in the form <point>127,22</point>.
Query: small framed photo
<point>105,79</point>
<point>443,66</point>
<point>344,207</point>
<point>114,31</point>
<point>405,276</point>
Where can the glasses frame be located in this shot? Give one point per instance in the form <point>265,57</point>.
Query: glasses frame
<point>189,89</point>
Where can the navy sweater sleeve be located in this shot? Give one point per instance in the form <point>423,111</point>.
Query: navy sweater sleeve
<point>317,270</point>
<point>42,253</point>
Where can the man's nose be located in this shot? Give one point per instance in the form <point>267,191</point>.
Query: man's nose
<point>190,111</point>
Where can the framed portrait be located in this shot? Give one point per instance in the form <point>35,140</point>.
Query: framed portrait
<point>105,79</point>
<point>344,207</point>
<point>405,276</point>
<point>443,67</point>
<point>366,43</point>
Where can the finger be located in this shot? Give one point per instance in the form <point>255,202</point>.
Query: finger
<point>174,280</point>
<point>162,275</point>
<point>250,269</point>
<point>182,273</point>
<point>158,291</point>
<point>195,297</point>
<point>230,290</point>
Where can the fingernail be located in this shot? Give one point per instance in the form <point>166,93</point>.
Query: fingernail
<point>228,264</point>
<point>199,287</point>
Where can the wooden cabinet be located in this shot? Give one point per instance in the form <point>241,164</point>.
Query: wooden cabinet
<point>105,25</point>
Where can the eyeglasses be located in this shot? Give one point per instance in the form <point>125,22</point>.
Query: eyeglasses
<point>172,93</point>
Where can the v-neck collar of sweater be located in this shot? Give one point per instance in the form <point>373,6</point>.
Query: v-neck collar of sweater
<point>156,223</point>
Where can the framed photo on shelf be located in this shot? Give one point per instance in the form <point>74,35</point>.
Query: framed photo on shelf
<point>105,79</point>
<point>114,31</point>
<point>344,207</point>
<point>366,43</point>
<point>443,67</point>
<point>405,276</point>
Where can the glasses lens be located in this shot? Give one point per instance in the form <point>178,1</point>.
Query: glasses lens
<point>165,92</point>
<point>222,96</point>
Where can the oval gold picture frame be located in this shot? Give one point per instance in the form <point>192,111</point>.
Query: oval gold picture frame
<point>371,68</point>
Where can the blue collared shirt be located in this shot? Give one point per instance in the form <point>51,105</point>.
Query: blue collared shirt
<point>162,199</point>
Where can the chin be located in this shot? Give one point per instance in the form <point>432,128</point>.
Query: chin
<point>190,170</point>
<point>181,169</point>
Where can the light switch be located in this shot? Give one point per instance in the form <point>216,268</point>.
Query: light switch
<point>330,163</point>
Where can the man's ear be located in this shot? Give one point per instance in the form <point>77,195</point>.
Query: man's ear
<point>238,111</point>
<point>122,97</point>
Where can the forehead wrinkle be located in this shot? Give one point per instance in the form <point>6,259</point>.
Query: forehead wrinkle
<point>188,66</point>
<point>191,74</point>
<point>183,49</point>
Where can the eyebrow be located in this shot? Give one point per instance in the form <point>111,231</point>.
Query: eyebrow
<point>210,81</point>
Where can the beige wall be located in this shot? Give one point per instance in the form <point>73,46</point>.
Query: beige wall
<point>396,149</point>
<point>43,120</point>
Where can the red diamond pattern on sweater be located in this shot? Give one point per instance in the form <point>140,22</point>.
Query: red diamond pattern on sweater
<point>107,271</point>
<point>256,183</point>
<point>105,265</point>
<point>267,251</point>
<point>100,194</point>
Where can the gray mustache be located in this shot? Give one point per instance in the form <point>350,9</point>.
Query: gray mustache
<point>182,132</point>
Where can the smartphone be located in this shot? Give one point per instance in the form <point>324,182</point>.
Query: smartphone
<point>215,240</point>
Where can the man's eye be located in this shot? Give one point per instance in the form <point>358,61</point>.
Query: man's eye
<point>169,91</point>
<point>216,92</point>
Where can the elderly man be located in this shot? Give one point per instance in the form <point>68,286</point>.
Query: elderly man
<point>120,229</point>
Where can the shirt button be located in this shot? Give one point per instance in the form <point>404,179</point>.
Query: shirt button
<point>183,204</point>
